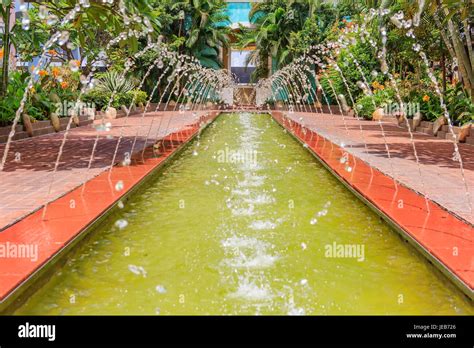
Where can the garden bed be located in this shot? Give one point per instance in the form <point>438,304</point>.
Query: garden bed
<point>426,127</point>
<point>40,128</point>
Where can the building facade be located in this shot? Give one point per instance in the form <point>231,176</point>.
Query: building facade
<point>235,60</point>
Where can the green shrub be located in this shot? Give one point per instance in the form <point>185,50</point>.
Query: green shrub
<point>367,62</point>
<point>430,106</point>
<point>365,107</point>
<point>367,104</point>
<point>36,105</point>
<point>97,98</point>
<point>460,105</point>
<point>140,97</point>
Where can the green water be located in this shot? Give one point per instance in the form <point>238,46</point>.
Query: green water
<point>217,234</point>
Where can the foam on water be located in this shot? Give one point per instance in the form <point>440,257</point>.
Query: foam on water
<point>260,199</point>
<point>263,225</point>
<point>244,242</point>
<point>243,211</point>
<point>260,260</point>
<point>250,291</point>
<point>138,270</point>
<point>241,192</point>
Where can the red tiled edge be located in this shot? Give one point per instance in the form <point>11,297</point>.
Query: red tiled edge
<point>437,232</point>
<point>62,224</point>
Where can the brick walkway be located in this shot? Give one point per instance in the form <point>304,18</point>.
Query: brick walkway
<point>440,178</point>
<point>25,184</point>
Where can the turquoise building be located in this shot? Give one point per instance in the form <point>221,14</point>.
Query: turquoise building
<point>236,60</point>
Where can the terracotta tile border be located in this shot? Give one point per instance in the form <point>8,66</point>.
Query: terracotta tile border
<point>446,240</point>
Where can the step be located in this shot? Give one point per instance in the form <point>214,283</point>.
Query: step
<point>44,131</point>
<point>5,130</point>
<point>449,136</point>
<point>42,128</point>
<point>441,135</point>
<point>425,130</point>
<point>456,130</point>
<point>18,136</point>
<point>470,140</point>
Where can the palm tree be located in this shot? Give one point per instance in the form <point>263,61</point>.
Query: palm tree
<point>454,20</point>
<point>207,31</point>
<point>280,27</point>
<point>5,12</point>
<point>271,34</point>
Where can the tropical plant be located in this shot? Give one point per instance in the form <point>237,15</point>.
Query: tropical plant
<point>100,98</point>
<point>454,20</point>
<point>460,106</point>
<point>380,98</point>
<point>5,12</point>
<point>450,20</point>
<point>284,30</point>
<point>206,29</point>
<point>348,70</point>
<point>10,103</point>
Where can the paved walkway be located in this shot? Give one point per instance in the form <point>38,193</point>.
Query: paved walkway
<point>437,175</point>
<point>27,184</point>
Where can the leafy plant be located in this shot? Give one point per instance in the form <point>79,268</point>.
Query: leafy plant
<point>10,103</point>
<point>206,30</point>
<point>140,97</point>
<point>365,107</point>
<point>112,81</point>
<point>460,106</point>
<point>380,98</point>
<point>96,97</point>
<point>101,99</point>
<point>430,106</point>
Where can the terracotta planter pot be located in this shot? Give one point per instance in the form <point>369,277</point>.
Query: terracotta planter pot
<point>464,132</point>
<point>417,120</point>
<point>27,124</point>
<point>440,122</point>
<point>378,114</point>
<point>55,122</point>
<point>75,120</point>
<point>401,119</point>
<point>171,105</point>
<point>111,113</point>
